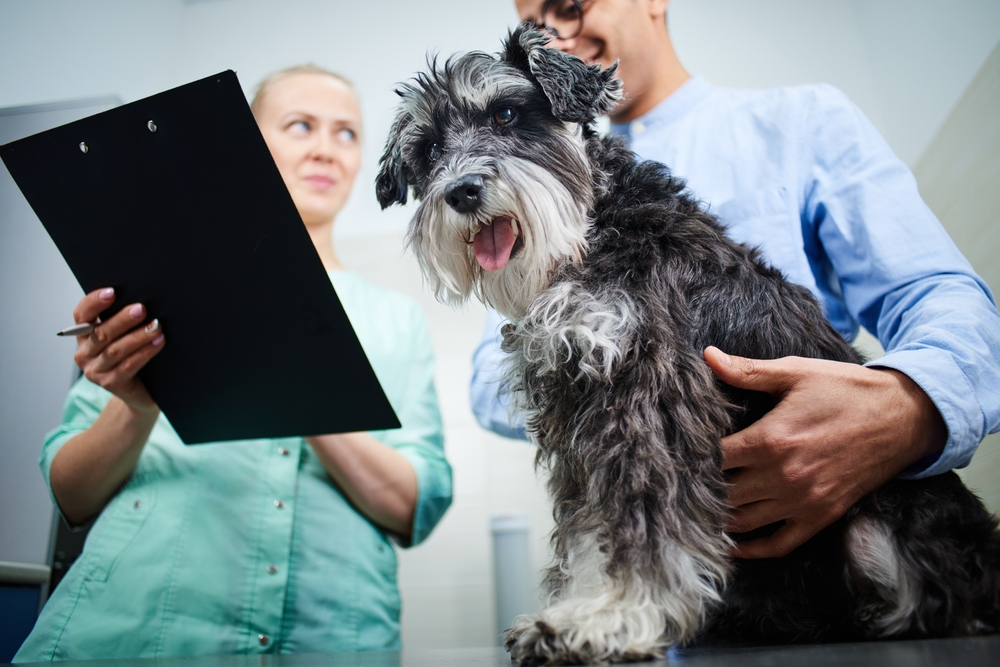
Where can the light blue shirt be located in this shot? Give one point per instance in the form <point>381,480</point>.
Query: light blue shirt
<point>802,174</point>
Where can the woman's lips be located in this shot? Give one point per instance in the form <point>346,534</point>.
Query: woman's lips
<point>320,182</point>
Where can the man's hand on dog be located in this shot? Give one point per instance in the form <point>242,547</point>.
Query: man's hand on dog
<point>837,432</point>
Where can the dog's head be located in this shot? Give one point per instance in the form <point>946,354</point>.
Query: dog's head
<point>495,150</point>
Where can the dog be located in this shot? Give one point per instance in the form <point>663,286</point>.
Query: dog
<point>614,280</point>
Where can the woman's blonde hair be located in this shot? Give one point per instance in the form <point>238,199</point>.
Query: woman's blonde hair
<point>308,68</point>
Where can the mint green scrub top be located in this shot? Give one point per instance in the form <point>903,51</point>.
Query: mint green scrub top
<point>249,547</point>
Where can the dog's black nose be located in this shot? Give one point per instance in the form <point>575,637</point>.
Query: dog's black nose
<point>464,195</point>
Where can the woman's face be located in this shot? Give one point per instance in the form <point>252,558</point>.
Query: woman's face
<point>312,124</point>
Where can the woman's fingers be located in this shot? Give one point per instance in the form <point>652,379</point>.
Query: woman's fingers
<point>93,304</point>
<point>125,346</point>
<point>109,331</point>
<point>117,371</point>
<point>118,348</point>
<point>124,373</point>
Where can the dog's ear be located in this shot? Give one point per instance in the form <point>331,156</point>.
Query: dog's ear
<point>578,92</point>
<point>392,182</point>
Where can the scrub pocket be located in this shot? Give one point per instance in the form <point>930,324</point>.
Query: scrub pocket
<point>117,528</point>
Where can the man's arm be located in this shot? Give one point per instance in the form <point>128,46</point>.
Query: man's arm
<point>489,398</point>
<point>836,433</point>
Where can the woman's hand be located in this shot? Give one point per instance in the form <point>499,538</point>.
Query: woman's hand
<point>117,349</point>
<point>90,467</point>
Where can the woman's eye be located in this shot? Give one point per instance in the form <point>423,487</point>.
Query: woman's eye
<point>504,115</point>
<point>347,135</point>
<point>299,127</point>
<point>433,152</point>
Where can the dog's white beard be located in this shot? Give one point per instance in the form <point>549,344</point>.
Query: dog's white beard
<point>552,224</point>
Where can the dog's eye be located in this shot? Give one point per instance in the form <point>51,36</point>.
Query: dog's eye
<point>504,116</point>
<point>433,152</point>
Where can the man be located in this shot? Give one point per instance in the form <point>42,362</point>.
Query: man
<point>802,174</point>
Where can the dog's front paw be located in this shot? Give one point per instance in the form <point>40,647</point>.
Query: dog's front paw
<point>544,640</point>
<point>532,641</point>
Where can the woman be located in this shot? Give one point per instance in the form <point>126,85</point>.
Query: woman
<point>255,546</point>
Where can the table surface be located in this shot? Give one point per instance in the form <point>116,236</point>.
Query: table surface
<point>966,652</point>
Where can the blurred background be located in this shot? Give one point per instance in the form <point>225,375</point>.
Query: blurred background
<point>926,73</point>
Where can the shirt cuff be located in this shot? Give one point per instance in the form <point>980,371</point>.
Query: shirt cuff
<point>937,374</point>
<point>433,495</point>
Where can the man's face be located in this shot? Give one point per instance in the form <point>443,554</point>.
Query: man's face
<point>622,30</point>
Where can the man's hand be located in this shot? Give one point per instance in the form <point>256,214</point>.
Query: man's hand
<point>837,432</point>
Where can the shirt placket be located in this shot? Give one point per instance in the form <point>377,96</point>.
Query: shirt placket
<point>275,545</point>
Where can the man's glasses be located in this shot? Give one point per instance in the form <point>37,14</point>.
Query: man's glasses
<point>562,18</point>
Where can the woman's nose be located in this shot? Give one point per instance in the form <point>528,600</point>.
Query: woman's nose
<point>324,147</point>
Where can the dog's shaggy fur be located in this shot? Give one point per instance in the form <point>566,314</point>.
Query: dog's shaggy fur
<point>614,281</point>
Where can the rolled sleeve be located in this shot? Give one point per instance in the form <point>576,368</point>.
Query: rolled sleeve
<point>901,275</point>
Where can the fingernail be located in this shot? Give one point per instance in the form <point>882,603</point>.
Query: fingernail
<point>106,294</point>
<point>152,326</point>
<point>136,310</point>
<point>725,358</point>
<point>158,340</point>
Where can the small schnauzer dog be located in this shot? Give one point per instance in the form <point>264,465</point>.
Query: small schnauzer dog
<point>614,280</point>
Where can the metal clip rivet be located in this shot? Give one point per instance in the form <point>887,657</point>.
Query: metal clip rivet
<point>152,126</point>
<point>83,147</point>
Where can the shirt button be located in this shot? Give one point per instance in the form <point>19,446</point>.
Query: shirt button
<point>283,451</point>
<point>264,640</point>
<point>271,569</point>
<point>279,503</point>
<point>137,504</point>
<point>638,127</point>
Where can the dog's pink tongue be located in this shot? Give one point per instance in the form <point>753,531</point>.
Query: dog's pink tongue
<point>493,244</point>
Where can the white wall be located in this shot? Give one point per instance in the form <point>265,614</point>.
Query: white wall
<point>923,56</point>
<point>904,63</point>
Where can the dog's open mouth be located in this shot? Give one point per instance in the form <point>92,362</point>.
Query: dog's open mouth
<point>497,242</point>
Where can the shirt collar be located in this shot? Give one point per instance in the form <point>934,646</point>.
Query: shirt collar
<point>675,107</point>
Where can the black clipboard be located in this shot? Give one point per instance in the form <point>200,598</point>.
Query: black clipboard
<point>175,201</point>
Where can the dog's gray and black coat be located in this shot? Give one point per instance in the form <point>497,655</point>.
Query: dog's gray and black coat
<point>616,282</point>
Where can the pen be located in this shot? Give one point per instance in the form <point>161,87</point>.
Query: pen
<point>78,330</point>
